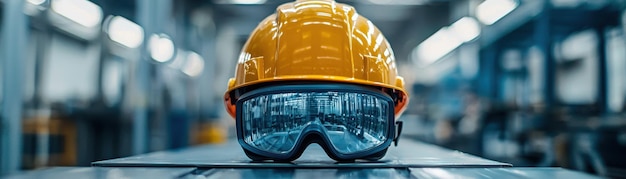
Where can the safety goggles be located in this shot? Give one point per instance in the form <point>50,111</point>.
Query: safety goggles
<point>348,121</point>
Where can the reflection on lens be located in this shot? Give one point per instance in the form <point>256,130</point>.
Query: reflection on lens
<point>353,122</point>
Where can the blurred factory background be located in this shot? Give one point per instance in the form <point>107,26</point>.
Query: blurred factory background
<point>529,82</point>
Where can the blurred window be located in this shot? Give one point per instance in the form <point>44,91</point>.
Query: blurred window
<point>71,69</point>
<point>577,68</point>
<point>616,66</point>
<point>112,79</point>
<point>535,75</point>
<point>29,63</point>
<point>514,88</point>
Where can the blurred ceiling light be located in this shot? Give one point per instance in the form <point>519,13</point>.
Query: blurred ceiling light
<point>82,12</point>
<point>435,47</point>
<point>161,48</point>
<point>490,11</point>
<point>36,2</point>
<point>466,29</point>
<point>194,64</point>
<point>125,32</point>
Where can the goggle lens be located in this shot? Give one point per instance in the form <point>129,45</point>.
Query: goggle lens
<point>352,122</point>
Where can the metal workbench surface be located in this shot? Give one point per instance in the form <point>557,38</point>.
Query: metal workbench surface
<point>237,173</point>
<point>409,160</point>
<point>408,153</point>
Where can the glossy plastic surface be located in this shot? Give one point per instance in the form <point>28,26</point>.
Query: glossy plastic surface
<point>317,41</point>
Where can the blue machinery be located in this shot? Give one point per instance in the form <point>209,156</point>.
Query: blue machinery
<point>541,25</point>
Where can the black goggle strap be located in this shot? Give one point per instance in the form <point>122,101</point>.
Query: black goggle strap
<point>398,132</point>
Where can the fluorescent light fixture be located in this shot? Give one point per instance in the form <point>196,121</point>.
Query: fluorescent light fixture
<point>445,40</point>
<point>490,11</point>
<point>194,64</point>
<point>36,2</point>
<point>436,47</point>
<point>247,1</point>
<point>82,12</point>
<point>125,32</point>
<point>465,29</point>
<point>161,48</point>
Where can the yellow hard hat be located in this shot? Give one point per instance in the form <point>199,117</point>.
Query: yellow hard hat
<point>316,41</point>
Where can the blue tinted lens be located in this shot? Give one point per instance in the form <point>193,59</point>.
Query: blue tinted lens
<point>352,122</point>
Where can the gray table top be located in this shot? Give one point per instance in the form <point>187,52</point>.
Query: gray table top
<point>409,160</point>
<point>103,172</point>
<point>230,155</point>
<point>241,173</point>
